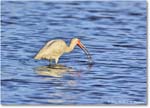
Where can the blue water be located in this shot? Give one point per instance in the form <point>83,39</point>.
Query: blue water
<point>113,32</point>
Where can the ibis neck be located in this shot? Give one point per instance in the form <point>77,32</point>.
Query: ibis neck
<point>70,47</point>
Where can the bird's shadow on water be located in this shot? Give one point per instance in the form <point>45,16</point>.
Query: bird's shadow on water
<point>58,70</point>
<point>54,70</point>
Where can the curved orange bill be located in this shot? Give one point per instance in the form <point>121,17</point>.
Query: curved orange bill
<point>85,50</point>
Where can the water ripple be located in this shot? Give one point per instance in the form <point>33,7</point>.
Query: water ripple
<point>113,32</point>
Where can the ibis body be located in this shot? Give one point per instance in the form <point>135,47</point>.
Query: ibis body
<point>53,49</point>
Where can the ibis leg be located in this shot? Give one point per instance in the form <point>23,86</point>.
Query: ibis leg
<point>56,60</point>
<point>51,62</point>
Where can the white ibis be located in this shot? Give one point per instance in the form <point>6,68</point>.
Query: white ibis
<point>53,49</point>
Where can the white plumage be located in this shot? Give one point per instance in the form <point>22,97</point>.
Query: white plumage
<point>55,48</point>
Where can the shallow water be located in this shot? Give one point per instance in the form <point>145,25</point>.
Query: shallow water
<point>113,32</point>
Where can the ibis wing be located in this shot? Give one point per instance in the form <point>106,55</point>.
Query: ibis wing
<point>43,50</point>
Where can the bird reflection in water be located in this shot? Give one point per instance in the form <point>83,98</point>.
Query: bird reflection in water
<point>54,70</point>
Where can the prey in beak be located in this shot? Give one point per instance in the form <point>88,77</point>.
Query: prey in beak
<point>80,44</point>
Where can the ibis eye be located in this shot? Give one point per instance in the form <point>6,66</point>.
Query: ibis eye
<point>78,41</point>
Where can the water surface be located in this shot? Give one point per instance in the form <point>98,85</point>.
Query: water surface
<point>113,32</point>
